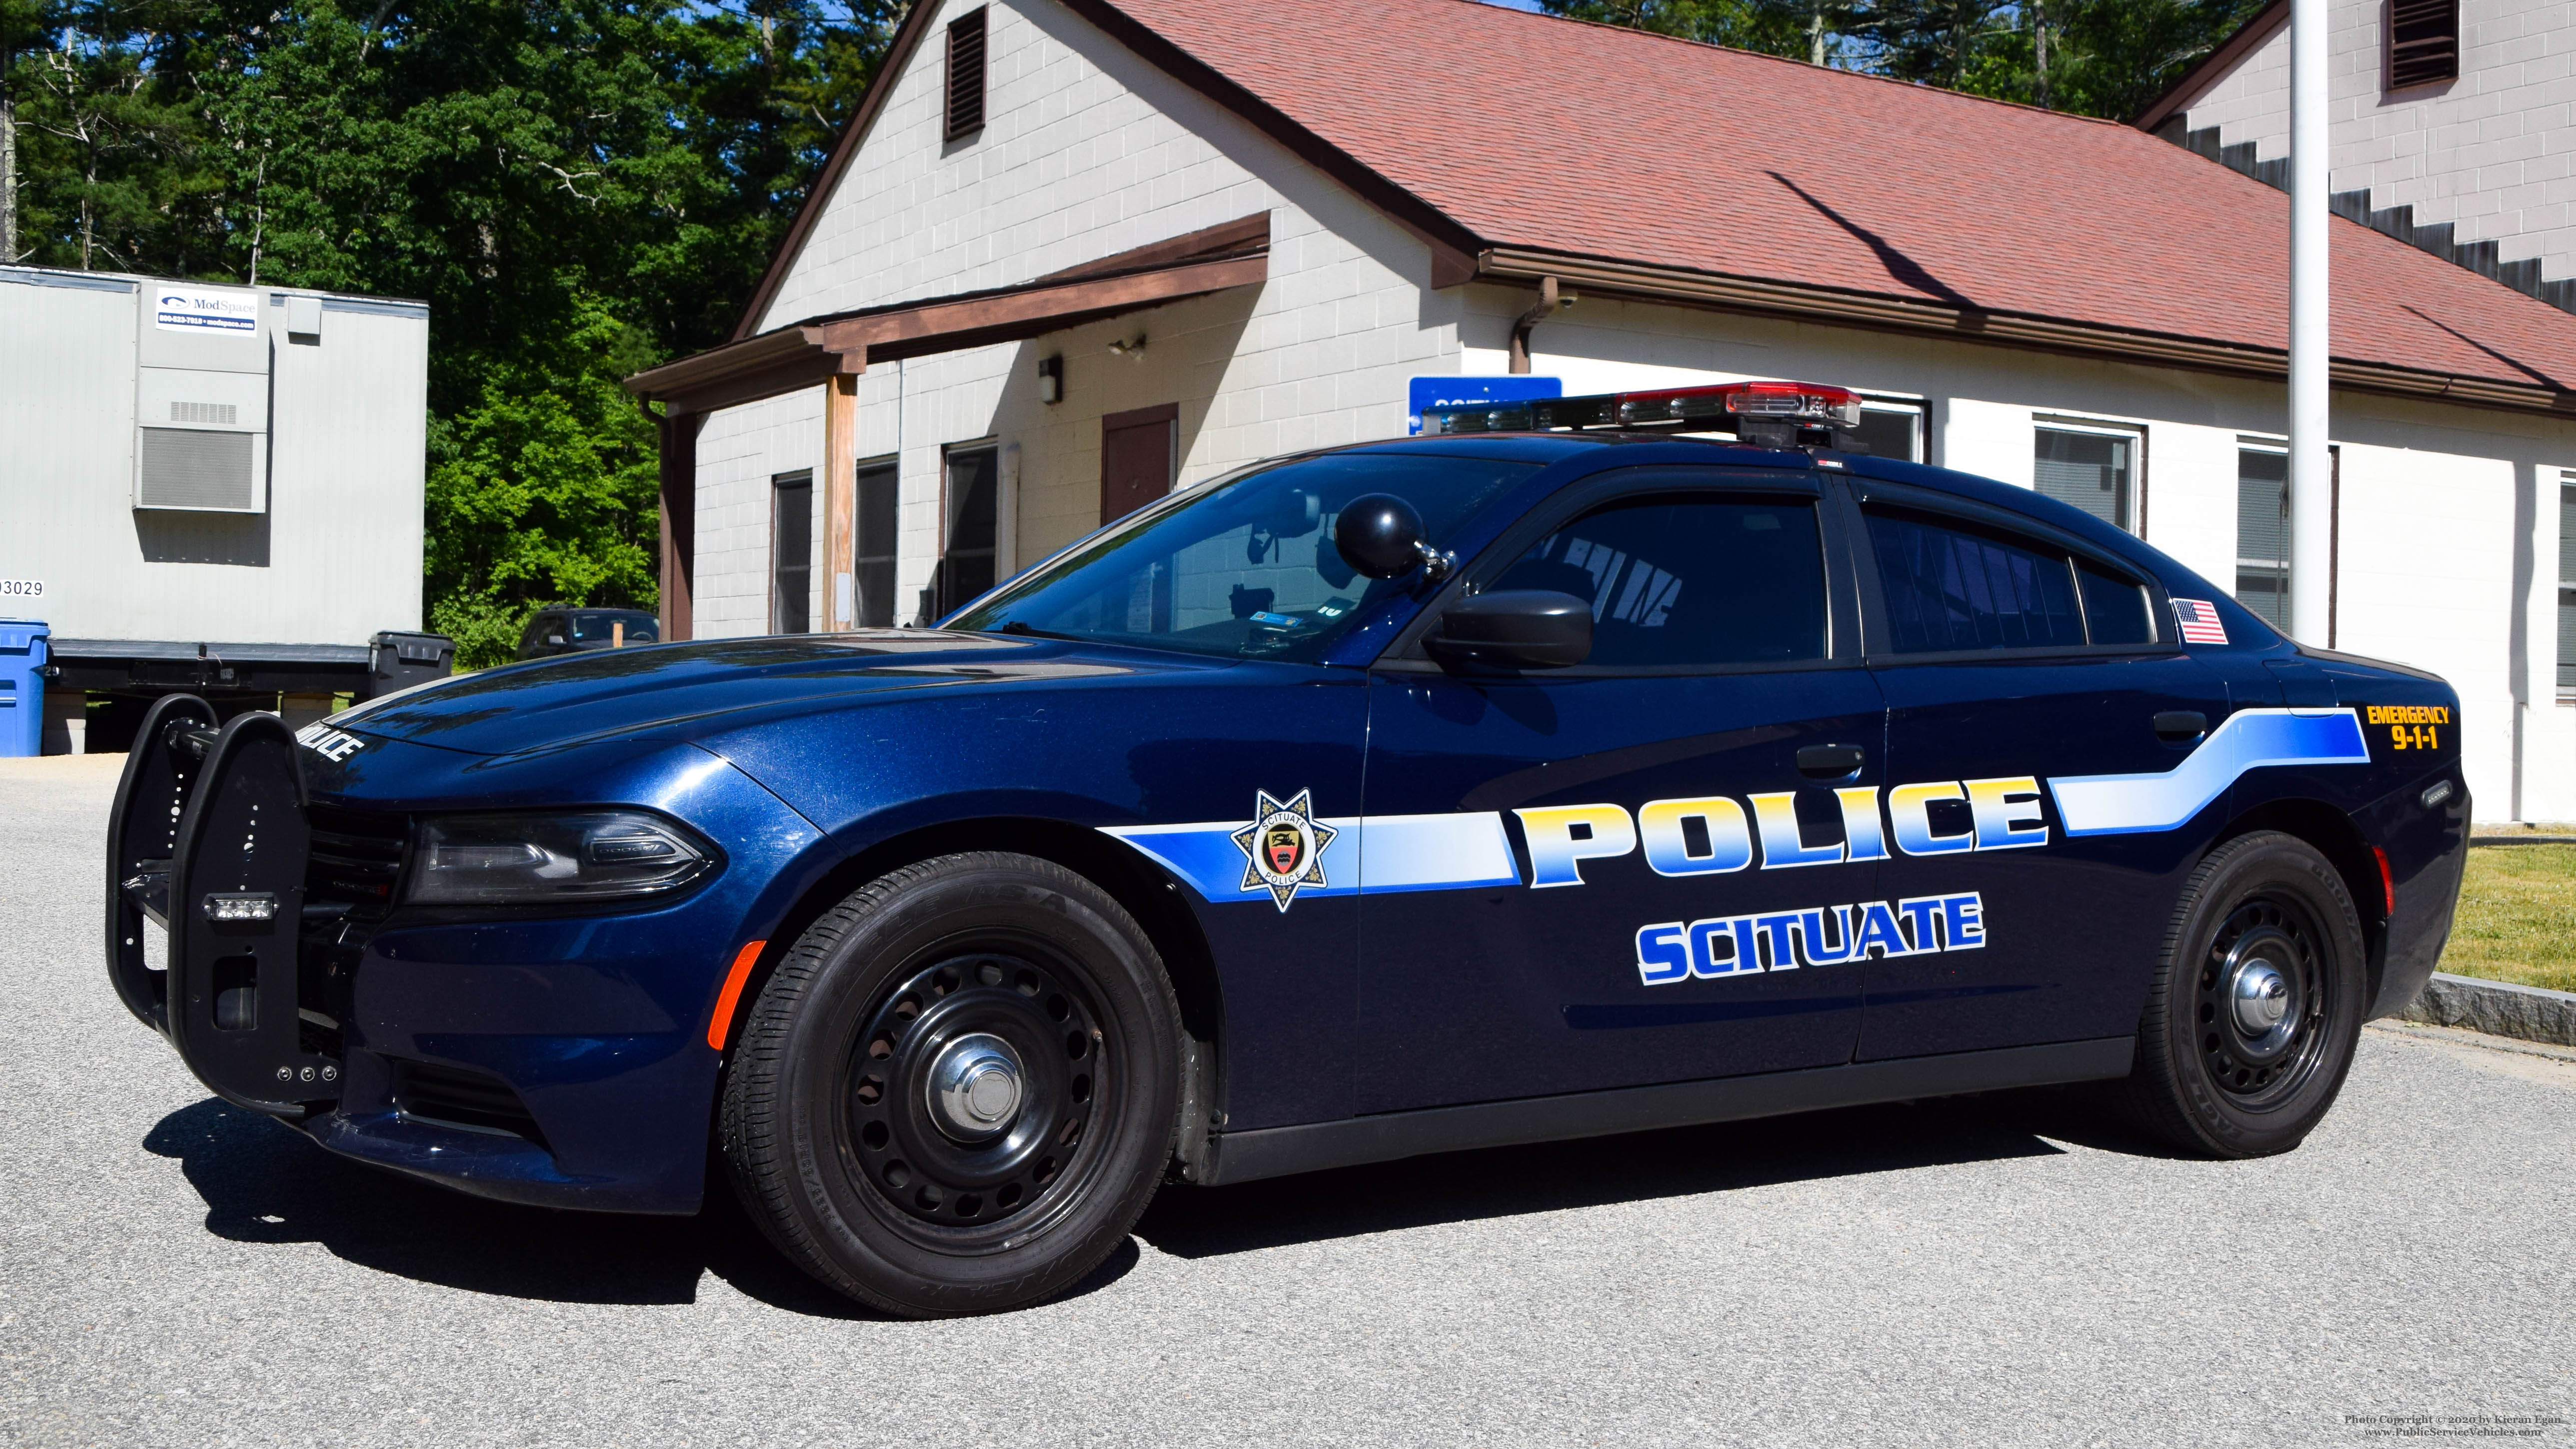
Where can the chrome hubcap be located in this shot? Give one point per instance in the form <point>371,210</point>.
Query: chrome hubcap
<point>975,1086</point>
<point>2264,1000</point>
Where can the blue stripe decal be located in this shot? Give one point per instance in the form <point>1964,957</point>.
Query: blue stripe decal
<point>2249,739</point>
<point>1381,855</point>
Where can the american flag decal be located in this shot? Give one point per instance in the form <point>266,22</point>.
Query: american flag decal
<point>2199,620</point>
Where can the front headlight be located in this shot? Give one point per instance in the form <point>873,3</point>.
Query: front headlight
<point>570,859</point>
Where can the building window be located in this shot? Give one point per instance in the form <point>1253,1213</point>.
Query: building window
<point>791,553</point>
<point>2567,582</point>
<point>970,514</point>
<point>873,548</point>
<point>2263,533</point>
<point>2089,467</point>
<point>2423,42</point>
<point>966,74</point>
<point>1892,429</point>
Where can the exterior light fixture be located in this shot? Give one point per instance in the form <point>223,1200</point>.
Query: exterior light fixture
<point>1051,379</point>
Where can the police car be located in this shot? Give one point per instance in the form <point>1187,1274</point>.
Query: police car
<point>1580,766</point>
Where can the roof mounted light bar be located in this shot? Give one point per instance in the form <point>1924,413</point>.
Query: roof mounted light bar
<point>1774,414</point>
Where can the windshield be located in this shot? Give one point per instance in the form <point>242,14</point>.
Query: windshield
<point>1245,567</point>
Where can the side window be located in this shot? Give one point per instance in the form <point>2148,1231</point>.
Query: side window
<point>2116,610</point>
<point>1950,588</point>
<point>1679,581</point>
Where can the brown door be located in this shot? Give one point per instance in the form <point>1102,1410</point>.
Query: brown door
<point>1136,458</point>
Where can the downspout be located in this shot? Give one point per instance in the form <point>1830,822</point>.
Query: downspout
<point>1549,304</point>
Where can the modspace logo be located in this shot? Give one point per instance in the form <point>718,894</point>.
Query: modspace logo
<point>189,309</point>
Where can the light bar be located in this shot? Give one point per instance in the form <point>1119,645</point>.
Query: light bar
<point>1719,407</point>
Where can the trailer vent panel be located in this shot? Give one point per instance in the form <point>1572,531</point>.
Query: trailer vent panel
<point>182,468</point>
<point>204,412</point>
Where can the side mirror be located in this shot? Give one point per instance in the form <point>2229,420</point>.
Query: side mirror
<point>554,638</point>
<point>1514,629</point>
<point>1380,535</point>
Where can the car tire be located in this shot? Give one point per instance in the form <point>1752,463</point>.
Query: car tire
<point>2256,1004</point>
<point>958,1089</point>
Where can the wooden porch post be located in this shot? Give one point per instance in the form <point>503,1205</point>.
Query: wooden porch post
<point>840,495</point>
<point>678,505</point>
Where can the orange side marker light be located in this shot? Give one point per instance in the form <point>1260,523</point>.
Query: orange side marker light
<point>722,1021</point>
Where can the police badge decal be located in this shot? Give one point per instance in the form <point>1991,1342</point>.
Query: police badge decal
<point>1283,847</point>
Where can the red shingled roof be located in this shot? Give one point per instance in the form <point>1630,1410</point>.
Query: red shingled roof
<point>1530,131</point>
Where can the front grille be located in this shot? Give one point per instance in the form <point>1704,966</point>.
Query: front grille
<point>357,859</point>
<point>462,1097</point>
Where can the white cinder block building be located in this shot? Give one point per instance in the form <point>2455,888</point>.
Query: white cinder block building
<point>1074,253</point>
<point>2453,124</point>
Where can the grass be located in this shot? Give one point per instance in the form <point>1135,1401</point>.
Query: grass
<point>2517,918</point>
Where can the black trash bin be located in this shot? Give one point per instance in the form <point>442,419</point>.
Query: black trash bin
<point>399,661</point>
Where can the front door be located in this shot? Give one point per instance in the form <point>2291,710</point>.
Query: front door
<point>2013,662</point>
<point>1636,870</point>
<point>1138,455</point>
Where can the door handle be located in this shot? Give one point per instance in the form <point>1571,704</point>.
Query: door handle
<point>1830,762</point>
<point>2181,726</point>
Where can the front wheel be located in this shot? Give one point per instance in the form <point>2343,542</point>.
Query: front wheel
<point>959,1089</point>
<point>2256,1005</point>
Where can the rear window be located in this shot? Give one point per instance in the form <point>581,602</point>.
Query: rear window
<point>589,628</point>
<point>1949,589</point>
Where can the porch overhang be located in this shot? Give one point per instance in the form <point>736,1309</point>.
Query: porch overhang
<point>805,354</point>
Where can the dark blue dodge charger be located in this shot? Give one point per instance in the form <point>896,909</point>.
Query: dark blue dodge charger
<point>1606,764</point>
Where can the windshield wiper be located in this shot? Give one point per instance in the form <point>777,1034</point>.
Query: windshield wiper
<point>1022,626</point>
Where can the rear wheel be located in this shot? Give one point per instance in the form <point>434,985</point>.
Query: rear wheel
<point>959,1089</point>
<point>2256,1005</point>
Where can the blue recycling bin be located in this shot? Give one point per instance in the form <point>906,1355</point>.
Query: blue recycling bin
<point>23,651</point>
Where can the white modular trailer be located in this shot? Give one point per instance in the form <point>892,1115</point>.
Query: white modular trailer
<point>208,486</point>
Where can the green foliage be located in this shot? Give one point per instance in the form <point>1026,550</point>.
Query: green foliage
<point>2094,57</point>
<point>578,188</point>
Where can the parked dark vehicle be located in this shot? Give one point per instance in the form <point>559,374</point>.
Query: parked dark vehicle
<point>570,631</point>
<point>1383,800</point>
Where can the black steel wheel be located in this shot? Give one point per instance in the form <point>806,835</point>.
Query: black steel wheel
<point>958,1090</point>
<point>970,1094</point>
<point>2256,1005</point>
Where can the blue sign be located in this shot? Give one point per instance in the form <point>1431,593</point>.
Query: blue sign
<point>1441,392</point>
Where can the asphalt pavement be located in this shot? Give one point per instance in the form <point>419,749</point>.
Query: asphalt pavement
<point>2005,1270</point>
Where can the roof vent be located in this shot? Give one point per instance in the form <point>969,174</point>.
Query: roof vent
<point>2423,42</point>
<point>966,74</point>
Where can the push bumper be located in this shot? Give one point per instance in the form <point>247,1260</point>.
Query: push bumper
<point>560,1062</point>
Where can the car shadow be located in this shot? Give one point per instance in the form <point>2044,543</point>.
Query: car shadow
<point>1637,1167</point>
<point>264,1182</point>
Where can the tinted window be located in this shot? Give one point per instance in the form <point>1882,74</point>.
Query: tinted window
<point>2115,610</point>
<point>1950,588</point>
<point>1689,581</point>
<point>593,628</point>
<point>1244,566</point>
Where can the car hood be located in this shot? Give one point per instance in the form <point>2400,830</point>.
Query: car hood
<point>682,691</point>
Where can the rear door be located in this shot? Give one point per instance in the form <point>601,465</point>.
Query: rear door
<point>2011,656</point>
<point>1618,874</point>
